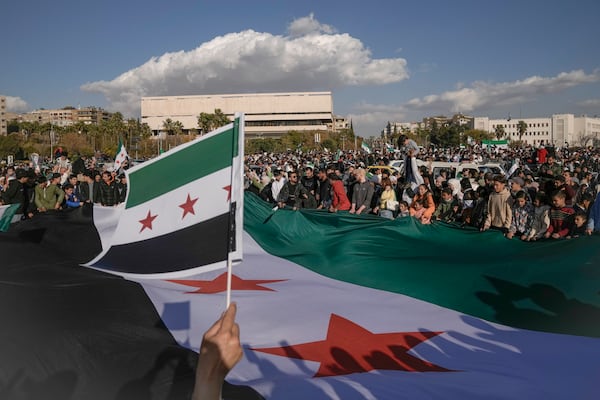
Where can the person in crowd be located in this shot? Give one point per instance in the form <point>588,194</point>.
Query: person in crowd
<point>467,206</point>
<point>561,217</point>
<point>71,200</point>
<point>17,191</point>
<point>417,210</point>
<point>309,181</point>
<point>531,187</point>
<point>410,150</point>
<point>339,199</point>
<point>277,184</point>
<point>324,191</point>
<point>362,194</point>
<point>522,216</point>
<point>517,184</point>
<point>78,166</point>
<point>403,209</point>
<point>479,213</point>
<point>349,180</point>
<point>548,173</point>
<point>89,190</point>
<point>425,196</point>
<point>219,352</point>
<point>387,200</point>
<point>121,188</point>
<point>252,182</point>
<point>579,226</point>
<point>448,208</point>
<point>593,222</point>
<point>499,210</point>
<point>73,180</point>
<point>584,203</point>
<point>48,195</point>
<point>541,218</point>
<point>560,184</point>
<point>292,193</point>
<point>108,190</point>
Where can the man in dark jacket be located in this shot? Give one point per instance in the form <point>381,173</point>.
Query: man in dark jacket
<point>16,193</point>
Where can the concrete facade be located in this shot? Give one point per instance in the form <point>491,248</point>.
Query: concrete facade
<point>558,130</point>
<point>65,116</point>
<point>266,114</point>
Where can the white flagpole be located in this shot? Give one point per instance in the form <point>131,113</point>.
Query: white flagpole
<point>229,263</point>
<point>236,120</point>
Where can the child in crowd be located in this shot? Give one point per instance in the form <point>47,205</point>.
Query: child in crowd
<point>418,210</point>
<point>448,208</point>
<point>479,212</point>
<point>593,224</point>
<point>561,217</point>
<point>522,216</point>
<point>541,218</point>
<point>387,200</point>
<point>426,198</point>
<point>499,206</point>
<point>403,209</point>
<point>579,225</point>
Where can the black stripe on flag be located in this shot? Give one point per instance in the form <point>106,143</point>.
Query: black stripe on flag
<point>200,244</point>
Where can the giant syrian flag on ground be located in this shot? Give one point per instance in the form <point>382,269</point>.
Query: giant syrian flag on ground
<point>330,306</point>
<point>340,306</point>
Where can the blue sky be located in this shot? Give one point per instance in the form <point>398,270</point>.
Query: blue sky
<point>383,60</point>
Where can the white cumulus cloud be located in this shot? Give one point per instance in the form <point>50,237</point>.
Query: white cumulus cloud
<point>484,94</point>
<point>311,57</point>
<point>370,119</point>
<point>16,104</point>
<point>308,25</point>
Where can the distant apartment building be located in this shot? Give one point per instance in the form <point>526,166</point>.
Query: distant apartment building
<point>3,121</point>
<point>339,123</point>
<point>66,116</point>
<point>558,130</point>
<point>267,115</point>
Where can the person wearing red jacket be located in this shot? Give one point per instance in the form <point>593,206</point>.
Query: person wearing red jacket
<point>339,199</point>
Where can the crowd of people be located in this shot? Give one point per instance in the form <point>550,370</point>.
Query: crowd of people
<point>549,193</point>
<point>61,186</point>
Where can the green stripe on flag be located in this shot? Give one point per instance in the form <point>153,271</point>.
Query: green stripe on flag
<point>201,158</point>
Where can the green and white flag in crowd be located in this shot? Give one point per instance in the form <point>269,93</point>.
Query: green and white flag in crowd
<point>184,210</point>
<point>365,148</point>
<point>121,156</point>
<point>340,306</point>
<point>389,147</point>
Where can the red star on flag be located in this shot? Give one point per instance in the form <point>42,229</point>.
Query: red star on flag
<point>228,188</point>
<point>349,348</point>
<point>188,206</point>
<point>219,284</point>
<point>147,222</point>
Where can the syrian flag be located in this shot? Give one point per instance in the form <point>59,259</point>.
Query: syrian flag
<point>365,148</point>
<point>338,321</point>
<point>513,168</point>
<point>320,316</point>
<point>121,156</point>
<point>184,210</point>
<point>8,215</point>
<point>390,148</point>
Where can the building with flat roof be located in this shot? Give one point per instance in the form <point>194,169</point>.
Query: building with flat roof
<point>558,130</point>
<point>65,116</point>
<point>266,114</point>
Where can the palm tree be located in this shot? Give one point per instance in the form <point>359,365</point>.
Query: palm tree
<point>521,128</point>
<point>499,131</point>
